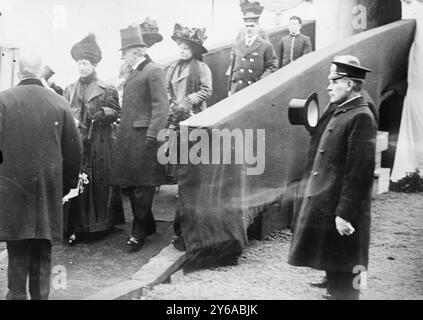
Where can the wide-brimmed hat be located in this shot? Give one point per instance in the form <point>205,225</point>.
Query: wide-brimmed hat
<point>131,37</point>
<point>195,36</point>
<point>347,66</point>
<point>150,32</point>
<point>251,10</point>
<point>88,49</point>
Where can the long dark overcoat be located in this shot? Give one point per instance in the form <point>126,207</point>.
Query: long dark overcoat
<point>100,205</point>
<point>145,109</point>
<point>42,158</point>
<point>338,182</point>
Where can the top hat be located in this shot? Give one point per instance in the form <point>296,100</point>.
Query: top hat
<point>150,32</point>
<point>304,112</point>
<point>194,36</point>
<point>88,49</point>
<point>347,66</point>
<point>132,37</point>
<point>251,10</point>
<point>47,72</point>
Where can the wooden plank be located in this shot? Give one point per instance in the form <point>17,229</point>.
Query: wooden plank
<point>160,267</point>
<point>157,270</point>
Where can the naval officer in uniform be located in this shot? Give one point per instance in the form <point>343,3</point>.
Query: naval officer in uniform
<point>252,57</point>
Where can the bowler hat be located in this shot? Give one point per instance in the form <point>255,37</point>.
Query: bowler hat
<point>150,32</point>
<point>194,36</point>
<point>131,37</point>
<point>347,66</point>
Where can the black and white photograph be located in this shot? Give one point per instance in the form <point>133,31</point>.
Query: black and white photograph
<point>211,150</point>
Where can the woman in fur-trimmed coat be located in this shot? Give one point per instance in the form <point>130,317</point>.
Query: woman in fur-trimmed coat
<point>95,106</point>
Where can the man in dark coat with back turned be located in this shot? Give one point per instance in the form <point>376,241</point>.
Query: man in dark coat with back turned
<point>41,161</point>
<point>145,109</point>
<point>331,230</point>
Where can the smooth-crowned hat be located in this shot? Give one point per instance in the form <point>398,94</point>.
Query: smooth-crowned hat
<point>131,37</point>
<point>150,32</point>
<point>88,49</point>
<point>251,10</point>
<point>304,112</point>
<point>195,36</point>
<point>347,66</point>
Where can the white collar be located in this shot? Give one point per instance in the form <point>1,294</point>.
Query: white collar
<point>139,62</point>
<point>345,102</point>
<point>250,39</point>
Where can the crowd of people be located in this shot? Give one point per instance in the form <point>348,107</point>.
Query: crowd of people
<point>89,143</point>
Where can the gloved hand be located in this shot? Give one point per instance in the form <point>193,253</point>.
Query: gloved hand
<point>150,142</point>
<point>99,115</point>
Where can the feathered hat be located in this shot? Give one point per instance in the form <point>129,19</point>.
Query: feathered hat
<point>195,36</point>
<point>88,49</point>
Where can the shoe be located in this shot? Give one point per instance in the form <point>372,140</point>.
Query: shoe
<point>134,244</point>
<point>72,240</point>
<point>179,243</point>
<point>320,285</point>
<point>327,297</point>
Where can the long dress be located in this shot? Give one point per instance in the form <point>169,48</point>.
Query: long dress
<point>99,206</point>
<point>409,153</point>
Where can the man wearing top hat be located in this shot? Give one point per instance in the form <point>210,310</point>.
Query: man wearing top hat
<point>252,57</point>
<point>331,226</point>
<point>145,110</point>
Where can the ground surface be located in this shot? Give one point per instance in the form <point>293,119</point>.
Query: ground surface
<point>395,271</point>
<point>396,260</point>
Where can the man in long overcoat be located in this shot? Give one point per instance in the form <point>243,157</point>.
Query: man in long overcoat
<point>145,109</point>
<point>331,230</point>
<point>42,158</point>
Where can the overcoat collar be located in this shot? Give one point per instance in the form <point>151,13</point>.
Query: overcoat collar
<point>352,104</point>
<point>31,81</point>
<point>98,89</point>
<point>140,67</point>
<point>184,74</point>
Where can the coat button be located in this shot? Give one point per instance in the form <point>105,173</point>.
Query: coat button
<point>243,59</point>
<point>249,82</point>
<point>241,70</point>
<point>250,71</point>
<point>240,81</point>
<point>322,151</point>
<point>315,173</point>
<point>251,60</point>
